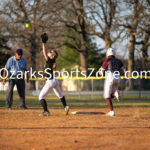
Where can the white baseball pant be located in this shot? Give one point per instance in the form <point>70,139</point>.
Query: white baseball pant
<point>110,86</point>
<point>51,84</point>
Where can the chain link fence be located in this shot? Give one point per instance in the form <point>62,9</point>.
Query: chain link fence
<point>86,87</point>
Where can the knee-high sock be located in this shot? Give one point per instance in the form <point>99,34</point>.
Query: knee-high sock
<point>44,104</point>
<point>63,100</point>
<point>109,103</point>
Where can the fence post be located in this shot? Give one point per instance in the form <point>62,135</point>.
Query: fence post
<point>121,88</point>
<point>139,88</point>
<point>79,88</point>
<point>92,88</point>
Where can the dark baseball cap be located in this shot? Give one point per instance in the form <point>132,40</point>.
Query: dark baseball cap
<point>19,52</point>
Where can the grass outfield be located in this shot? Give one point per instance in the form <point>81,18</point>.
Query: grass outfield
<point>81,101</point>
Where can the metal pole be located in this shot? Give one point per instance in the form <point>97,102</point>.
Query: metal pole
<point>92,88</point>
<point>139,89</point>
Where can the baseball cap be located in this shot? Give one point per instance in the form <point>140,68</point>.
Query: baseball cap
<point>19,52</point>
<point>110,52</point>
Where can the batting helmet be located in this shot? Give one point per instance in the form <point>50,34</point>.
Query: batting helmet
<point>110,52</point>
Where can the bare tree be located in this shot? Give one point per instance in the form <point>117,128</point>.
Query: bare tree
<point>40,15</point>
<point>103,15</point>
<point>144,49</point>
<point>130,21</point>
<point>73,17</point>
<point>112,20</point>
<point>144,34</point>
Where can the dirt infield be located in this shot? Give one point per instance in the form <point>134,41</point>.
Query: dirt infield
<point>25,130</point>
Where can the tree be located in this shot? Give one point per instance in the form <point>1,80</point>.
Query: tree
<point>131,22</point>
<point>144,34</point>
<point>73,17</point>
<point>4,46</point>
<point>41,18</point>
<point>95,56</point>
<point>68,59</point>
<point>103,15</point>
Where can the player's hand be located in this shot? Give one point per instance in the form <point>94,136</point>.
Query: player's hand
<point>99,73</point>
<point>4,81</point>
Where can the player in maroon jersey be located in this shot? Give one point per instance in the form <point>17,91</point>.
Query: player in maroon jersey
<point>112,66</point>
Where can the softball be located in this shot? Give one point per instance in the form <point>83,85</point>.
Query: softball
<point>27,25</point>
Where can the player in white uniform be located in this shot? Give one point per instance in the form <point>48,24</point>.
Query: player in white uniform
<point>113,67</point>
<point>51,83</point>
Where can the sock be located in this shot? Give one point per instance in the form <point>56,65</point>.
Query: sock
<point>63,101</point>
<point>44,104</point>
<point>109,103</point>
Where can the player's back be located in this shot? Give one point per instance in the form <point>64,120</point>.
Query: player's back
<point>113,69</point>
<point>114,65</point>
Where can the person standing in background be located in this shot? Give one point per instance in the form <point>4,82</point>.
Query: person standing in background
<point>14,66</point>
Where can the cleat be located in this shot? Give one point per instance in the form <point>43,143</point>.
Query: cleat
<point>45,113</point>
<point>111,113</point>
<point>8,108</point>
<point>67,110</point>
<point>117,95</point>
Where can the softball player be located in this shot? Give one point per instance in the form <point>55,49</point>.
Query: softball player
<point>113,67</point>
<point>51,83</point>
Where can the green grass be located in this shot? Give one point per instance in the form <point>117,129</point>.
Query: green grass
<point>81,101</point>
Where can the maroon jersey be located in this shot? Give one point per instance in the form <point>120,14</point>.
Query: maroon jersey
<point>112,64</point>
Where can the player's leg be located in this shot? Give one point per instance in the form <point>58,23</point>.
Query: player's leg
<point>115,91</point>
<point>45,90</point>
<point>9,98</point>
<point>60,95</point>
<point>107,96</point>
<point>21,91</point>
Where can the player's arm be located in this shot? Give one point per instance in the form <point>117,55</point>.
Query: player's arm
<point>104,66</point>
<point>44,38</point>
<point>54,66</point>
<point>44,51</point>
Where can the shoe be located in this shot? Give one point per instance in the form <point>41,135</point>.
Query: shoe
<point>23,107</point>
<point>45,113</point>
<point>111,113</point>
<point>117,95</point>
<point>67,110</point>
<point>8,108</point>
